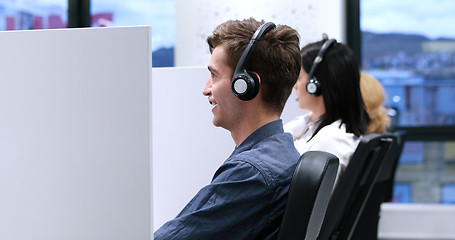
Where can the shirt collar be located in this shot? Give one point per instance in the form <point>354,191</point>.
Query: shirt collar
<point>305,126</point>
<point>269,129</point>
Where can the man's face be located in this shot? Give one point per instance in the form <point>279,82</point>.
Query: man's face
<point>226,107</point>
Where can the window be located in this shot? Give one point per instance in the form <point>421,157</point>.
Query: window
<point>402,193</point>
<point>410,48</point>
<point>448,193</point>
<point>159,14</point>
<point>26,15</point>
<point>49,14</point>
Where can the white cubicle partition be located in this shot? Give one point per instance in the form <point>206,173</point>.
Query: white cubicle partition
<point>187,148</point>
<point>75,134</point>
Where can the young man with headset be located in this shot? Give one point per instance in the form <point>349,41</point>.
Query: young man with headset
<point>253,68</point>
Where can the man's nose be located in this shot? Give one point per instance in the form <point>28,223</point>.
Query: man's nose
<point>207,88</point>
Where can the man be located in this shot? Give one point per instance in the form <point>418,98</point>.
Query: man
<point>247,195</point>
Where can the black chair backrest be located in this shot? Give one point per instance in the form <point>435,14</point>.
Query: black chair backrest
<point>387,173</point>
<point>355,185</point>
<point>309,194</point>
<point>382,191</point>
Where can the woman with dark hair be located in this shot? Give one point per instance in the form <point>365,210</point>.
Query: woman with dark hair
<point>329,88</point>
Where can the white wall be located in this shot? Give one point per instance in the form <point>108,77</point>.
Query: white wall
<point>197,19</point>
<point>75,134</point>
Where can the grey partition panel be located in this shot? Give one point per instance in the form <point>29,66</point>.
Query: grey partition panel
<point>75,156</point>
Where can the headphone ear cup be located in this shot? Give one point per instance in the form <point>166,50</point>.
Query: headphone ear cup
<point>313,87</point>
<point>256,80</point>
<point>246,86</point>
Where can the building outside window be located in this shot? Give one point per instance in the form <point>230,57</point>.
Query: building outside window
<point>32,14</point>
<point>410,48</point>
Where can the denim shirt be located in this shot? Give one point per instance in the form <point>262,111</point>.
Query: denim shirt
<point>247,195</point>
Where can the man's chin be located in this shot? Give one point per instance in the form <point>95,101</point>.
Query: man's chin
<point>216,122</point>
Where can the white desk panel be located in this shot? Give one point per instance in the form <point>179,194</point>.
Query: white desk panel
<point>75,134</point>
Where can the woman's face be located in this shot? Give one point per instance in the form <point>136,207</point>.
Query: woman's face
<point>306,100</point>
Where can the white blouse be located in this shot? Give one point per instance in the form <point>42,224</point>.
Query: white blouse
<point>332,138</point>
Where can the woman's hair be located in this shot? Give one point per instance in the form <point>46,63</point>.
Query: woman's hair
<point>276,57</point>
<point>373,96</point>
<point>339,78</point>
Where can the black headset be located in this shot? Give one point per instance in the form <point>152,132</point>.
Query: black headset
<point>245,84</point>
<point>312,86</point>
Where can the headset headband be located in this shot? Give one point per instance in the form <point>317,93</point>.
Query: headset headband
<point>313,86</point>
<point>245,85</point>
<point>260,32</point>
<point>320,55</point>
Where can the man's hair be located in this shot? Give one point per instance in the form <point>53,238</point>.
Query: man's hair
<point>276,57</point>
<point>339,77</point>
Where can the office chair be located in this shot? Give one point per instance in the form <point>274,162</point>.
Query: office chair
<point>308,197</point>
<point>354,187</point>
<point>367,227</point>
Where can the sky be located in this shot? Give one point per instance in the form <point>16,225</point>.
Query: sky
<point>432,18</point>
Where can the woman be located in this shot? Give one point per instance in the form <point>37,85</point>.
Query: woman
<point>373,96</point>
<point>329,87</point>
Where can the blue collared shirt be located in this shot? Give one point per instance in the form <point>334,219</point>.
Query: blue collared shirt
<point>247,195</point>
